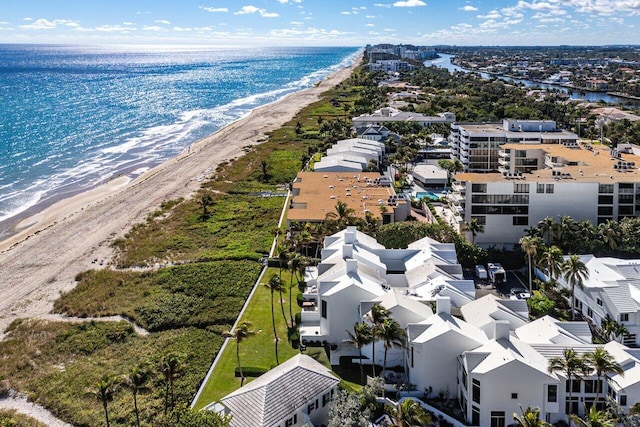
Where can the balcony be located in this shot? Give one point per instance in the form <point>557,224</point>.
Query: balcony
<point>310,312</point>
<point>459,188</point>
<point>504,162</point>
<point>506,154</point>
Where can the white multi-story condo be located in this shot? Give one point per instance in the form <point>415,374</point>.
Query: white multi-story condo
<point>388,114</point>
<point>483,352</point>
<point>477,145</point>
<point>583,181</point>
<point>612,289</point>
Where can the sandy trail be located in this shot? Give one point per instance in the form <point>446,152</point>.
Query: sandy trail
<point>41,261</point>
<point>20,404</point>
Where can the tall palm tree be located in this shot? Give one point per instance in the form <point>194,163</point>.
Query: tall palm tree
<point>136,381</point>
<point>240,333</point>
<point>205,200</point>
<point>360,337</point>
<point>551,259</point>
<point>104,390</point>
<point>376,317</point>
<point>283,257</point>
<point>293,264</point>
<point>474,227</point>
<point>571,365</point>
<point>409,413</point>
<point>392,335</point>
<point>575,273</point>
<point>546,227</point>
<point>609,232</point>
<point>530,418</point>
<point>593,418</point>
<point>171,367</point>
<point>565,229</point>
<point>343,215</point>
<point>530,246</point>
<point>603,363</point>
<point>274,284</point>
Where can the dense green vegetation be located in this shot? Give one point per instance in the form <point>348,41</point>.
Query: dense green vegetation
<point>58,364</point>
<point>14,419</point>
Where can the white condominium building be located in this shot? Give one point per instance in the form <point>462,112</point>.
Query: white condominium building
<point>582,181</point>
<point>477,145</point>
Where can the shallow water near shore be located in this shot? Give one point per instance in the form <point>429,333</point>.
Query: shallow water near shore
<point>76,117</point>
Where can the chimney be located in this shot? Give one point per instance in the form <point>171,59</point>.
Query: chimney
<point>501,330</point>
<point>352,266</point>
<point>443,305</point>
<point>347,251</point>
<point>350,235</point>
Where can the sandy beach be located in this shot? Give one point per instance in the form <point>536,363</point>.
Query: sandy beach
<point>42,259</point>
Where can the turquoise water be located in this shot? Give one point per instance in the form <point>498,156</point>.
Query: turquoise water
<point>427,195</point>
<point>74,117</point>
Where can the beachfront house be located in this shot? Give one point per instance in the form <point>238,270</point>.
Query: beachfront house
<point>296,393</point>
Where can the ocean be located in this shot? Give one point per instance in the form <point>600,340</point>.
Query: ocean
<point>74,117</point>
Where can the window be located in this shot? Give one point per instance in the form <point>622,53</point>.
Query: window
<point>605,200</point>
<point>475,390</point>
<point>412,356</point>
<point>312,406</point>
<point>572,405</point>
<point>589,312</point>
<point>291,421</point>
<point>552,393</point>
<point>475,416</point>
<point>540,188</point>
<point>324,309</point>
<point>599,302</point>
<point>514,395</point>
<point>521,153</point>
<point>549,189</point>
<point>326,398</point>
<point>482,220</point>
<point>497,419</point>
<point>520,188</point>
<point>464,378</point>
<point>623,400</point>
<point>478,188</point>
<point>575,386</point>
<point>605,210</point>
<point>520,220</point>
<point>624,317</point>
<point>605,188</point>
<point>625,210</point>
<point>590,386</point>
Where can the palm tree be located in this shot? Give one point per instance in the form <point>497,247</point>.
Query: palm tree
<point>409,413</point>
<point>566,228</point>
<point>602,363</point>
<point>205,200</point>
<point>609,232</point>
<point>474,227</point>
<point>575,273</point>
<point>530,418</point>
<point>392,335</point>
<point>293,264</point>
<point>376,316</point>
<point>283,257</point>
<point>530,246</point>
<point>274,284</point>
<point>571,365</point>
<point>171,367</point>
<point>240,333</point>
<point>612,330</point>
<point>594,418</point>
<point>360,337</point>
<point>264,167</point>
<point>136,381</point>
<point>551,259</point>
<point>546,227</point>
<point>343,216</point>
<point>104,390</point>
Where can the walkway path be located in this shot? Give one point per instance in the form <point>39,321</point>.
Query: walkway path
<point>20,404</point>
<point>60,318</point>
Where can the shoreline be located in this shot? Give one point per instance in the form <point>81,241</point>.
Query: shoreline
<point>50,248</point>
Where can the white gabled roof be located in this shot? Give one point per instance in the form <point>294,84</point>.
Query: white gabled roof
<point>629,363</point>
<point>484,311</point>
<point>547,330</point>
<point>621,297</point>
<point>404,308</point>
<point>505,351</point>
<point>442,323</point>
<point>278,393</point>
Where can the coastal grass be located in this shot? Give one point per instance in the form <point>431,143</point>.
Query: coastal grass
<point>199,294</point>
<point>57,365</point>
<point>11,418</point>
<point>258,351</point>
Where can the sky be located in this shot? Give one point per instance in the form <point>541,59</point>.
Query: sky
<point>321,22</point>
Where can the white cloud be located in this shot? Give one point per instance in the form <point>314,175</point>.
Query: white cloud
<point>153,28</point>
<point>162,21</point>
<point>369,25</point>
<point>113,28</point>
<point>296,23</point>
<point>215,9</point>
<point>494,14</point>
<point>345,13</point>
<point>45,24</point>
<point>252,9</point>
<point>409,3</point>
<point>387,5</point>
<point>182,29</point>
<point>469,8</point>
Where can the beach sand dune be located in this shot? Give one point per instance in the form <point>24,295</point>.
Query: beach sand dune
<point>43,258</point>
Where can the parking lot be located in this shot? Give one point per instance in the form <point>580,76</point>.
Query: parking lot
<point>483,287</point>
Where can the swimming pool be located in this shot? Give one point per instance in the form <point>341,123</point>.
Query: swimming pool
<point>428,195</point>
